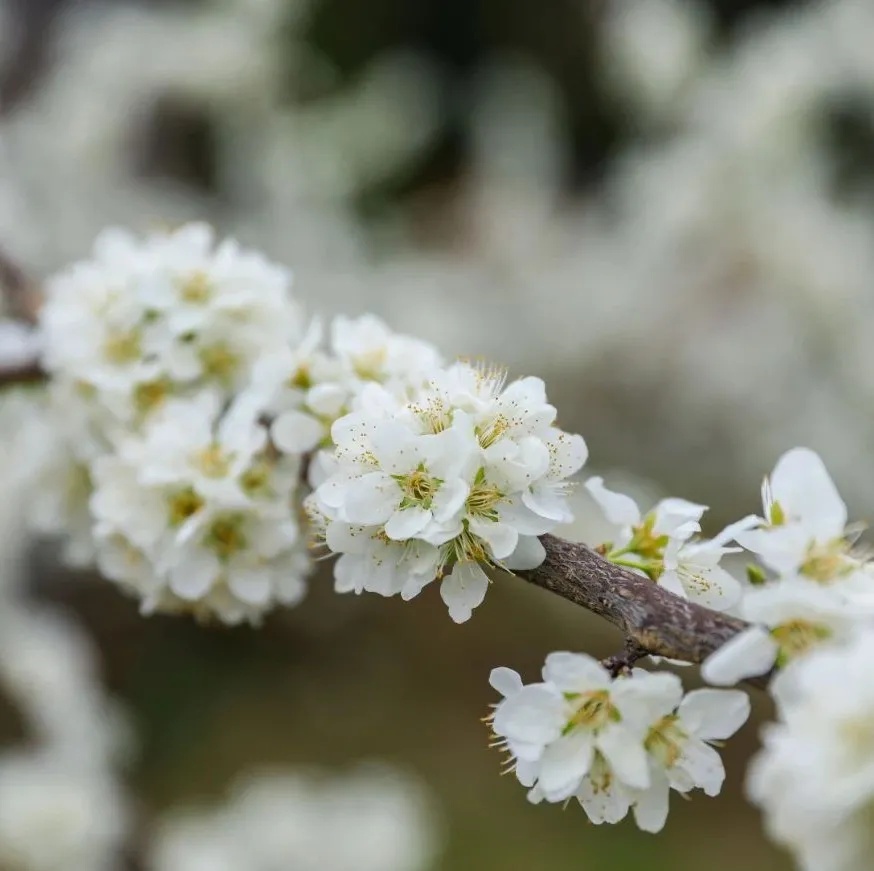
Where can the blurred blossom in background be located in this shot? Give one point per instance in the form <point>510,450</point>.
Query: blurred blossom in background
<point>663,207</point>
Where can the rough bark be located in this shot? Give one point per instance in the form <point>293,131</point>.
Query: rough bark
<point>654,620</point>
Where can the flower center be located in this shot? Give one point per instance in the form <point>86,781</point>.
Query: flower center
<point>796,637</point>
<point>484,498</point>
<point>225,536</point>
<point>213,462</point>
<point>150,394</point>
<point>123,347</point>
<point>219,362</point>
<point>418,487</point>
<point>433,413</point>
<point>827,562</point>
<point>646,543</point>
<point>256,479</point>
<point>196,289</point>
<point>182,504</point>
<point>594,710</point>
<point>369,365</point>
<point>301,378</point>
<point>665,740</point>
<point>491,432</point>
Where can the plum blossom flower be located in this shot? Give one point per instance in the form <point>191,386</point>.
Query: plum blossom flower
<point>308,386</point>
<point>790,617</point>
<point>460,478</point>
<point>613,743</point>
<point>814,777</point>
<point>197,513</point>
<point>663,545</point>
<point>144,320</point>
<point>804,527</point>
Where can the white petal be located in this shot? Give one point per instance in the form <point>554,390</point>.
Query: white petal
<point>731,531</point>
<point>623,749</point>
<point>505,681</point>
<point>804,489</point>
<point>251,586</point>
<point>602,797</point>
<point>546,502</point>
<point>677,517</point>
<point>670,580</point>
<point>407,523</point>
<point>617,507</point>
<point>346,538</point>
<point>529,554</point>
<point>294,432</point>
<point>712,587</point>
<point>568,454</point>
<point>326,399</point>
<point>703,765</point>
<point>575,672</point>
<point>449,499</point>
<point>194,575</point>
<point>349,574</point>
<point>464,589</point>
<point>714,714</point>
<point>564,763</point>
<point>396,447</point>
<point>526,772</point>
<point>500,537</point>
<point>750,653</point>
<point>534,715</point>
<point>371,499</point>
<point>648,696</point>
<point>651,805</point>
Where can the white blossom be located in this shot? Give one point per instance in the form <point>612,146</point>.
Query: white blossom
<point>663,545</point>
<point>814,777</point>
<point>613,743</point>
<point>789,617</point>
<point>145,320</point>
<point>198,513</point>
<point>803,530</point>
<point>55,815</point>
<point>461,477</point>
<point>308,386</point>
<point>371,820</point>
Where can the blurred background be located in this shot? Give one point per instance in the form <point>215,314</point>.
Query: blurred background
<point>663,207</point>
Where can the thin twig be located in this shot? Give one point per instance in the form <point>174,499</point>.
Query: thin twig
<point>22,295</point>
<point>23,373</point>
<point>654,620</point>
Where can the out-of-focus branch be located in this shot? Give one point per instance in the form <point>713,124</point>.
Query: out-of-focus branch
<point>26,373</point>
<point>22,295</point>
<point>22,303</point>
<point>654,620</point>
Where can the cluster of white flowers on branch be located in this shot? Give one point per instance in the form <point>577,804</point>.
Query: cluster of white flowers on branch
<point>207,423</point>
<point>464,475</point>
<point>614,743</point>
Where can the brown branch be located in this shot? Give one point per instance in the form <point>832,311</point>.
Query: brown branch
<point>23,373</point>
<point>654,620</point>
<point>22,295</point>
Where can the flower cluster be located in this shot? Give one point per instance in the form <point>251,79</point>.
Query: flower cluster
<point>818,588</point>
<point>612,743</point>
<point>198,513</point>
<point>814,777</point>
<point>308,387</point>
<point>55,815</point>
<point>664,545</point>
<point>146,320</point>
<point>193,399</point>
<point>462,477</point>
<point>372,820</point>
